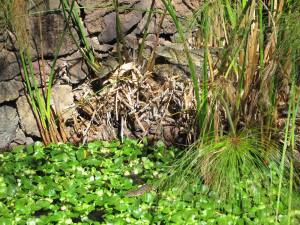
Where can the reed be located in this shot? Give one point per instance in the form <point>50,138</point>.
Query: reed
<point>241,95</point>
<point>72,10</point>
<point>49,127</point>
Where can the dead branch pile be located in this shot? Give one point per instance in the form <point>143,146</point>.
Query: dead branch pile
<point>132,104</point>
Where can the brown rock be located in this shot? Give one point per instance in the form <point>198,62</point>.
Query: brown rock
<point>9,67</point>
<point>20,139</point>
<point>91,6</point>
<point>52,28</point>
<point>182,11</point>
<point>129,18</point>
<point>103,48</point>
<point>27,119</point>
<point>8,125</point>
<point>77,68</point>
<point>9,90</point>
<point>193,4</point>
<point>62,99</point>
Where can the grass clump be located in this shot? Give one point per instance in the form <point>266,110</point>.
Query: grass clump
<point>222,164</point>
<point>243,94</point>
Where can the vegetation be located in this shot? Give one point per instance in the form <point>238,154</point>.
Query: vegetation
<point>88,185</point>
<point>241,154</point>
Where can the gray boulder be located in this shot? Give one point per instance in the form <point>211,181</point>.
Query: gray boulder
<point>27,119</point>
<point>9,90</point>
<point>9,67</point>
<point>8,125</point>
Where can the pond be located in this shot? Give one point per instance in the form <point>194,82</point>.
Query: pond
<point>121,183</point>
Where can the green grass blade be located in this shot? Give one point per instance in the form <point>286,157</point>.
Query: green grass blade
<point>231,13</point>
<point>285,146</point>
<point>52,72</point>
<point>172,12</point>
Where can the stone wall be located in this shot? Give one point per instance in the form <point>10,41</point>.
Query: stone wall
<point>17,122</point>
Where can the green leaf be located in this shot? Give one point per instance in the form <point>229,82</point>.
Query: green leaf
<point>24,205</point>
<point>40,204</point>
<point>61,157</point>
<point>6,221</point>
<point>81,154</point>
<point>4,211</point>
<point>38,152</point>
<point>3,188</point>
<point>148,197</point>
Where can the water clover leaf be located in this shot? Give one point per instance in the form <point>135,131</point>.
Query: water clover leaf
<point>81,154</point>
<point>38,153</point>
<point>137,212</point>
<point>38,145</point>
<point>3,188</point>
<point>178,217</point>
<point>148,197</point>
<point>61,157</point>
<point>148,164</point>
<point>6,221</point>
<point>42,203</point>
<point>122,206</point>
<point>4,211</point>
<point>24,205</point>
<point>227,220</point>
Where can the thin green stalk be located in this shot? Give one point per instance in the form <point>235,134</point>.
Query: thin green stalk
<point>241,80</point>
<point>237,50</point>
<point>233,36</point>
<point>52,72</point>
<point>286,142</point>
<point>142,45</point>
<point>28,87</point>
<point>39,98</point>
<point>172,12</point>
<point>86,51</point>
<point>231,13</point>
<point>228,115</point>
<point>118,30</point>
<point>74,13</point>
<point>204,108</point>
<point>293,149</point>
<point>261,39</point>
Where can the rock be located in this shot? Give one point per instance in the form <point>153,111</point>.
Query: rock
<point>38,6</point>
<point>52,28</point>
<point>103,48</point>
<point>170,134</point>
<point>131,41</point>
<point>9,90</point>
<point>52,4</point>
<point>9,67</point>
<point>62,100</point>
<point>77,68</point>
<point>108,66</point>
<point>27,119</point>
<point>94,20</point>
<point>20,139</point>
<point>9,123</point>
<point>7,40</point>
<point>182,11</point>
<point>193,5</point>
<point>109,34</point>
<point>128,20</point>
<point>91,6</point>
<point>141,26</point>
<point>78,72</point>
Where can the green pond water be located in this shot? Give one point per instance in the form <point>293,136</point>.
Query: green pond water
<point>63,184</point>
